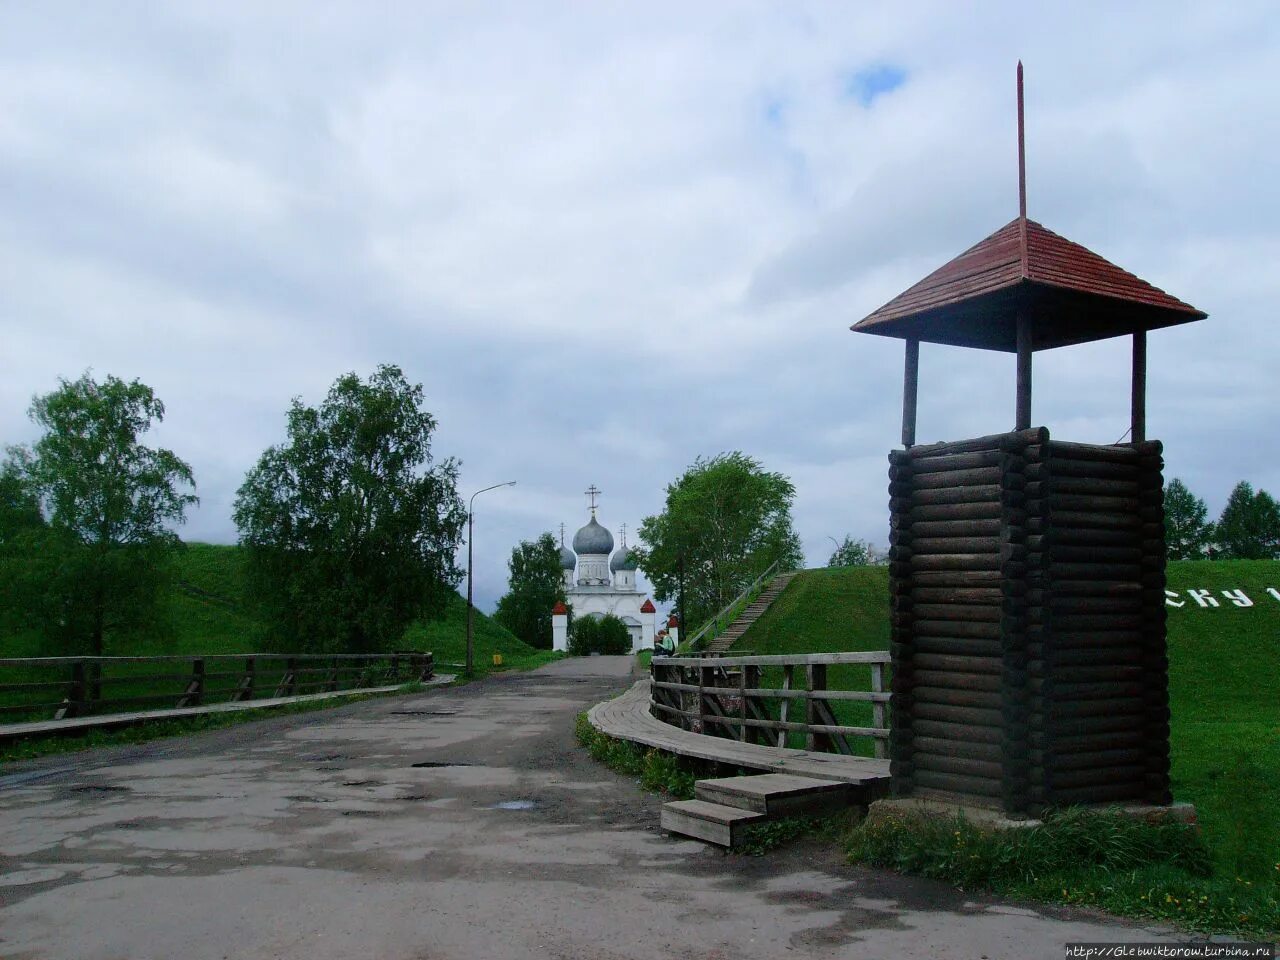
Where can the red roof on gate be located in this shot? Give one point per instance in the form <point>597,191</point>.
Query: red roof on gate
<point>1069,293</point>
<point>648,607</point>
<point>559,610</point>
<point>673,622</point>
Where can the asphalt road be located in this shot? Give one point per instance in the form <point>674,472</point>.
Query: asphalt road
<point>454,825</point>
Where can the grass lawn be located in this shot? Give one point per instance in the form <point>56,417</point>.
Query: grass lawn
<point>1223,676</point>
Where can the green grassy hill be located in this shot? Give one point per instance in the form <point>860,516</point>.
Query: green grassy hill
<point>203,613</point>
<point>1224,674</point>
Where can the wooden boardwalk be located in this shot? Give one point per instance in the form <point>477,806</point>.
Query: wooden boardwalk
<point>628,718</point>
<point>44,728</point>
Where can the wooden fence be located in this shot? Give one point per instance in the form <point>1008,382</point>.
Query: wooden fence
<point>39,687</point>
<point>774,700</point>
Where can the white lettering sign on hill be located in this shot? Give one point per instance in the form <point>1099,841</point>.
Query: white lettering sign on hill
<point>1206,600</point>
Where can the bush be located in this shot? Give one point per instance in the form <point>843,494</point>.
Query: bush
<point>605,635</point>
<point>657,770</point>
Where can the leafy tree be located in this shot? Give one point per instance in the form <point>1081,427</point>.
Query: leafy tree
<point>606,635</point>
<point>23,535</point>
<point>728,520</point>
<point>1249,528</point>
<point>96,560</point>
<point>1187,532</point>
<point>852,553</point>
<point>350,531</point>
<point>534,585</point>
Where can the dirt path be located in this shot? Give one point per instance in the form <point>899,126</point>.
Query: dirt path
<point>454,825</point>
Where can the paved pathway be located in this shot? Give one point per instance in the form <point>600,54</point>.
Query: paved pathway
<point>361,832</point>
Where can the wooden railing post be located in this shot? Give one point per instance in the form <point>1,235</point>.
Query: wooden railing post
<point>76,692</point>
<point>245,691</point>
<point>877,708</point>
<point>332,683</point>
<point>704,675</point>
<point>817,676</point>
<point>94,692</point>
<point>288,681</point>
<point>194,693</point>
<point>788,674</point>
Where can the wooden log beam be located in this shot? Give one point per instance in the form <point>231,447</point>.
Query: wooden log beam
<point>910,389</point>
<point>1102,453</point>
<point>1106,793</point>
<point>953,783</point>
<point>986,612</point>
<point>957,697</point>
<point>968,733</point>
<point>954,546</point>
<point>975,477</point>
<point>956,561</point>
<point>957,595</point>
<point>975,493</point>
<point>989,648</point>
<point>1024,350</point>
<point>994,441</point>
<point>960,748</point>
<point>957,461</point>
<point>1138,396</point>
<point>933,513</point>
<point>953,679</point>
<point>956,578</point>
<point>962,766</point>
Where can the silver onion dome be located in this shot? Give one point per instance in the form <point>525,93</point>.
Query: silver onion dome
<point>592,539</point>
<point>567,560</point>
<point>623,559</point>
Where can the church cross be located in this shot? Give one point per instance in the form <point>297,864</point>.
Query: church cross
<point>562,534</point>
<point>624,535</point>
<point>593,492</point>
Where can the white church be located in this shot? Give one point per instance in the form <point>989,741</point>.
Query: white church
<point>600,580</point>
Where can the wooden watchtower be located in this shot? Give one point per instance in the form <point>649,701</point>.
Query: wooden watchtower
<point>1027,574</point>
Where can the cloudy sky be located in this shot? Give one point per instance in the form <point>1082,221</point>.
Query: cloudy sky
<point>610,237</point>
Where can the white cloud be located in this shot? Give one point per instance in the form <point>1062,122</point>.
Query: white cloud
<point>610,238</point>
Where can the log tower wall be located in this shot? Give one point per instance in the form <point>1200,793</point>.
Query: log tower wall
<point>1027,581</point>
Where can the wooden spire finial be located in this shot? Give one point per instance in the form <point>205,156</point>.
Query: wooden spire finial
<point>1022,178</point>
<point>1022,152</point>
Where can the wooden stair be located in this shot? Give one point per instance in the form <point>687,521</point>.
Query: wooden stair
<point>750,615</point>
<point>723,808</point>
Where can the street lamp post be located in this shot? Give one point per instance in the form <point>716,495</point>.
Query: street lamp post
<point>471,526</point>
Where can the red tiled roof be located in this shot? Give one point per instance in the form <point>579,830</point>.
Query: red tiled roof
<point>1068,292</point>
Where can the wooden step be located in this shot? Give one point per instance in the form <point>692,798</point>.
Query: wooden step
<point>776,794</point>
<point>711,822</point>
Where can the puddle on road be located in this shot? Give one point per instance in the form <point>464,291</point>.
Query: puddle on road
<point>440,763</point>
<point>515,805</point>
<point>359,783</point>
<point>98,788</point>
<point>424,713</point>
